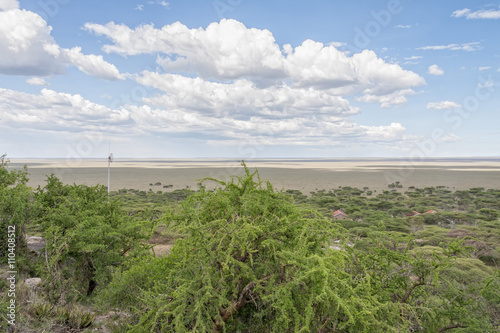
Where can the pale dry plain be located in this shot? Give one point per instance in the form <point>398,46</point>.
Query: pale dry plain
<point>305,175</point>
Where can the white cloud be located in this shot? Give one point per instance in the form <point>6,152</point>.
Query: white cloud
<point>479,14</point>
<point>277,121</point>
<point>24,41</point>
<point>56,111</point>
<point>235,84</point>
<point>400,26</point>
<point>91,64</point>
<point>470,47</point>
<point>337,44</point>
<point>224,50</point>
<point>242,112</point>
<point>241,97</point>
<point>386,101</point>
<point>450,138</point>
<point>413,58</point>
<point>37,81</point>
<point>229,51</point>
<point>139,7</point>
<point>385,133</point>
<point>278,95</point>
<point>460,12</point>
<point>316,131</point>
<point>442,105</point>
<point>287,117</point>
<point>486,84</point>
<point>28,48</point>
<point>314,65</point>
<point>484,68</point>
<point>6,5</point>
<point>164,4</point>
<point>435,70</point>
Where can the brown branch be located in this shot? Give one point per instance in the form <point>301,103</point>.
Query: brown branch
<point>450,327</point>
<point>241,258</point>
<point>420,282</point>
<point>236,304</point>
<point>282,272</point>
<point>328,320</point>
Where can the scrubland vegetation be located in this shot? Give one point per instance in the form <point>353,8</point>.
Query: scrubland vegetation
<point>247,258</point>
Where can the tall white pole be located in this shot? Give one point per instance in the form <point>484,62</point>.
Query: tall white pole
<point>109,165</point>
<point>109,162</point>
<point>110,159</point>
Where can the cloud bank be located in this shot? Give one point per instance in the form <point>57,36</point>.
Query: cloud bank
<point>225,83</point>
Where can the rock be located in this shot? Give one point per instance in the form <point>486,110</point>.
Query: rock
<point>35,243</point>
<point>162,250</point>
<point>33,283</point>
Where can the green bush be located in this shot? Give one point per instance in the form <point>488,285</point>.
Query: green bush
<point>87,236</point>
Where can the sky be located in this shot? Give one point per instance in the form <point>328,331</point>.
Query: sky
<point>249,79</point>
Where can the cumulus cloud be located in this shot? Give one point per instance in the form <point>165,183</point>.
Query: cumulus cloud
<point>435,70</point>
<point>235,84</point>
<point>56,111</point>
<point>226,82</point>
<point>312,131</point>
<point>28,48</point>
<point>386,101</point>
<point>469,47</point>
<point>314,65</point>
<point>223,50</point>
<point>479,14</point>
<point>91,64</point>
<point>26,44</point>
<point>6,5</point>
<point>241,97</point>
<point>228,50</point>
<point>385,133</point>
<point>484,68</point>
<point>242,112</point>
<point>37,81</point>
<point>442,105</point>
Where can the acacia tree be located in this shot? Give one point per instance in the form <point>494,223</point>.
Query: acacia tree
<point>251,260</point>
<point>421,282</point>
<point>86,236</point>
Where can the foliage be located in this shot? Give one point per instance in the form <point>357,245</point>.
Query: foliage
<point>16,207</point>
<point>86,237</point>
<point>135,201</point>
<point>72,318</point>
<point>137,275</point>
<point>251,260</point>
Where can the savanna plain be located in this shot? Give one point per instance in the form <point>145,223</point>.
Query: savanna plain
<point>264,245</point>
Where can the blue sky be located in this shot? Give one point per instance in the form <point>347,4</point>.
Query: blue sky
<point>249,79</point>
